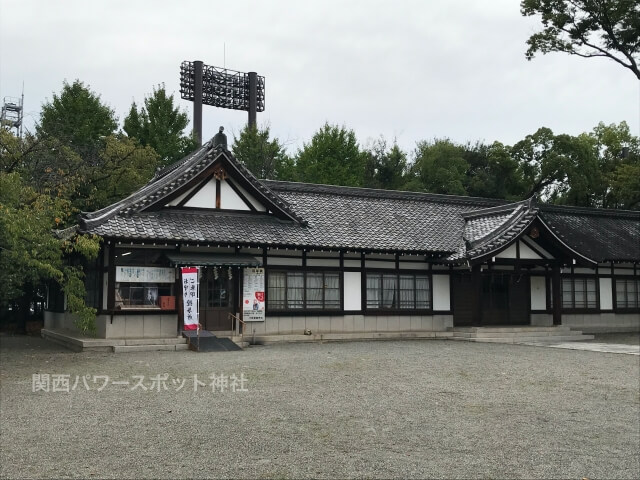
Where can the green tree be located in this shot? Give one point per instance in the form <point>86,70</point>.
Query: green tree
<point>30,253</point>
<point>332,157</point>
<point>625,182</point>
<point>115,168</point>
<point>385,167</point>
<point>439,167</point>
<point>122,167</point>
<point>587,28</point>
<point>559,168</point>
<point>492,172</point>
<point>618,157</point>
<point>77,118</point>
<point>160,124</point>
<point>265,158</point>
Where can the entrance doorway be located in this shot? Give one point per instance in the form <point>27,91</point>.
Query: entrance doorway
<point>504,299</point>
<point>217,298</point>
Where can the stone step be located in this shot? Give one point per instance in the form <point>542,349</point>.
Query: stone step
<point>155,341</point>
<point>149,348</point>
<point>522,329</point>
<point>535,333</point>
<point>346,337</point>
<point>521,339</point>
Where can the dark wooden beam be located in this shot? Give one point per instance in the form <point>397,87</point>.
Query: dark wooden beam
<point>556,295</point>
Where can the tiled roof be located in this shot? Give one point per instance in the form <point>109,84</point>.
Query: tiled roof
<point>174,177</point>
<point>333,217</point>
<point>410,222</point>
<point>599,234</point>
<point>490,229</point>
<point>371,219</point>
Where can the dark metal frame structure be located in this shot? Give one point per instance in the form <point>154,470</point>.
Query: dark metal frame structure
<point>220,87</point>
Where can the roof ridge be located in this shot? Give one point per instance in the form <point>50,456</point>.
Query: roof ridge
<point>614,212</point>
<point>142,193</point>
<point>181,173</point>
<point>517,218</point>
<point>282,185</point>
<point>485,212</point>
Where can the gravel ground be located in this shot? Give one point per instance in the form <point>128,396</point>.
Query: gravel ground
<point>618,338</point>
<point>364,409</point>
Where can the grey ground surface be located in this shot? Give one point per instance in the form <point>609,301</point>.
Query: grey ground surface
<point>363,409</point>
<point>617,338</point>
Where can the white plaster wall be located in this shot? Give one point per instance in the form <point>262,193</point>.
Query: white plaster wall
<point>229,199</point>
<point>206,196</point>
<point>352,285</point>
<point>441,293</point>
<point>352,263</point>
<point>606,294</point>
<point>509,252</point>
<point>177,200</point>
<point>623,271</point>
<point>323,262</point>
<point>257,205</point>
<point>414,266</point>
<point>538,293</point>
<point>381,256</point>
<point>586,271</point>
<point>379,264</point>
<point>284,261</point>
<point>529,241</point>
<point>526,252</point>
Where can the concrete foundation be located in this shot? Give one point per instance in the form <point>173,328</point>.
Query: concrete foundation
<point>346,324</point>
<point>603,322</point>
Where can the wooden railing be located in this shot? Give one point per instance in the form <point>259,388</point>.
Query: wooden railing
<point>237,324</point>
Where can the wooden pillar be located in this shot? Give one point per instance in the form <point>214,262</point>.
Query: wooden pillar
<point>179,300</point>
<point>476,299</point>
<point>556,295</point>
<point>111,277</point>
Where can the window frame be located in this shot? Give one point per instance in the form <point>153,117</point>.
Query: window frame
<point>585,279</point>
<point>397,309</point>
<point>303,308</point>
<point>626,280</point>
<point>144,286</point>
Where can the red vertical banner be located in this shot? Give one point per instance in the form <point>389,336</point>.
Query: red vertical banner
<point>190,297</point>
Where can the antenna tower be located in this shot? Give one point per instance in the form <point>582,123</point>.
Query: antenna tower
<point>12,114</point>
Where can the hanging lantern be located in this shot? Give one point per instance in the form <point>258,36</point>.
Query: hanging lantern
<point>230,273</point>
<point>215,273</point>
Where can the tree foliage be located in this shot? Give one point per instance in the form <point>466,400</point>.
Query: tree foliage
<point>74,162</point>
<point>265,158</point>
<point>77,118</point>
<point>385,167</point>
<point>493,172</point>
<point>160,125</point>
<point>332,157</point>
<point>587,28</point>
<point>30,254</point>
<point>440,167</point>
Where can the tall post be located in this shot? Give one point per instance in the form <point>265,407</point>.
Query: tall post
<point>253,98</point>
<point>556,294</point>
<point>476,299</point>
<point>197,101</point>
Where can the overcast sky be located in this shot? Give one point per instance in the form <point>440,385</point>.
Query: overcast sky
<point>409,70</point>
